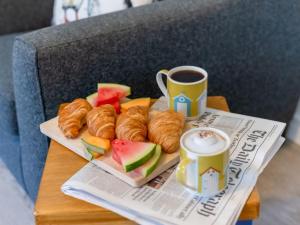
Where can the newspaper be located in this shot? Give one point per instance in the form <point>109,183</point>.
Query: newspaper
<point>254,142</point>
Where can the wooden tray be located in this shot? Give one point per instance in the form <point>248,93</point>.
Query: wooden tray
<point>50,128</point>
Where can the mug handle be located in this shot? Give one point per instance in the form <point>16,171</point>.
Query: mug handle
<point>180,170</point>
<point>160,82</point>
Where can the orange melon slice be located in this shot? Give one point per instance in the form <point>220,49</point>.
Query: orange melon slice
<point>95,144</point>
<point>135,102</point>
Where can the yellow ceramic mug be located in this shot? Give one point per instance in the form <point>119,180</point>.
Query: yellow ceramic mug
<point>204,163</point>
<point>186,90</point>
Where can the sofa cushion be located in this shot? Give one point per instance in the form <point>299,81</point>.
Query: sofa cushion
<point>7,110</point>
<point>24,15</point>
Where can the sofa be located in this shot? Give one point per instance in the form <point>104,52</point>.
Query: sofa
<point>249,48</point>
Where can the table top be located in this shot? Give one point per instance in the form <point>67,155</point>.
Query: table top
<point>55,208</point>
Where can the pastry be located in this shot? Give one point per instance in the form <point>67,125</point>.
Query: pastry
<point>132,124</point>
<point>165,128</point>
<point>72,117</point>
<point>101,122</point>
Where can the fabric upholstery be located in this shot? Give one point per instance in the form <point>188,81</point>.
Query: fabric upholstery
<point>24,15</point>
<point>249,48</point>
<point>7,99</point>
<point>30,114</point>
<point>9,139</point>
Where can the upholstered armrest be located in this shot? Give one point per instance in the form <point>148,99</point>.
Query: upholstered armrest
<point>247,47</point>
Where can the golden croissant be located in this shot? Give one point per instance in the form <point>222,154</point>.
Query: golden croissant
<point>165,128</point>
<point>101,122</point>
<point>132,124</point>
<point>72,117</point>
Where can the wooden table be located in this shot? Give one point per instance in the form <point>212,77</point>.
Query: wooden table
<point>55,208</point>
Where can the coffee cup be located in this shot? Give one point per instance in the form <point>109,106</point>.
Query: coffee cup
<point>204,158</point>
<point>186,90</point>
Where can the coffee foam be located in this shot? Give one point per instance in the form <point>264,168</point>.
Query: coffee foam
<point>204,141</point>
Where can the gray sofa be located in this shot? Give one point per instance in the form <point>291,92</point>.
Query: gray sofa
<point>16,17</point>
<point>250,49</point>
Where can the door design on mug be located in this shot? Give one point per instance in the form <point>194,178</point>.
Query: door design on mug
<point>210,180</point>
<point>201,100</point>
<point>182,104</point>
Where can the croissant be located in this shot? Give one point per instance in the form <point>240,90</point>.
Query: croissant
<point>165,128</point>
<point>72,117</point>
<point>132,124</point>
<point>101,122</point>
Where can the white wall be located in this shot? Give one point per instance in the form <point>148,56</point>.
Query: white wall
<point>294,126</point>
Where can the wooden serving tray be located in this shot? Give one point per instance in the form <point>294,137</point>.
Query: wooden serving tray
<point>50,128</point>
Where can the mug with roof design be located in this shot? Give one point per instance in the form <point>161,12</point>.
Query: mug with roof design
<point>186,90</point>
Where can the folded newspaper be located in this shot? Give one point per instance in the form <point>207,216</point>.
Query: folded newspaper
<point>254,142</point>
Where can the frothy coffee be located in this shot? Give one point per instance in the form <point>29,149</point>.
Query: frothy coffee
<point>204,141</point>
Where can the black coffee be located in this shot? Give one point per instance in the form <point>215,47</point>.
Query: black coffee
<point>187,76</point>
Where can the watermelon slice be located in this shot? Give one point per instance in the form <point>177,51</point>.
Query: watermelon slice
<point>131,154</point>
<point>123,88</point>
<point>147,168</point>
<point>107,96</point>
<point>92,99</point>
<point>117,106</point>
<point>109,93</point>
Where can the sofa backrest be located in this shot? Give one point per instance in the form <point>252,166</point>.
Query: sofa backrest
<point>249,49</point>
<point>24,15</point>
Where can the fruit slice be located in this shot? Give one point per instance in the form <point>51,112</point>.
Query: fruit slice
<point>95,144</point>
<point>124,88</point>
<point>94,155</point>
<point>131,154</point>
<point>138,101</point>
<point>117,107</point>
<point>124,100</point>
<point>92,99</point>
<point>147,168</point>
<point>108,96</point>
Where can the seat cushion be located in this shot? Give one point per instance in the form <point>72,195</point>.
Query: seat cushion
<point>7,110</point>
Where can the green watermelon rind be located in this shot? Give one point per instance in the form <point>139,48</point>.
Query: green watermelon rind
<point>139,159</point>
<point>92,98</point>
<point>92,147</point>
<point>146,170</point>
<point>125,88</point>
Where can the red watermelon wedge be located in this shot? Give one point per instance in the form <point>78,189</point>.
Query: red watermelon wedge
<point>131,154</point>
<point>107,96</point>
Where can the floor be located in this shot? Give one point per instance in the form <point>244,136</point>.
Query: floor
<point>278,185</point>
<point>15,207</point>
